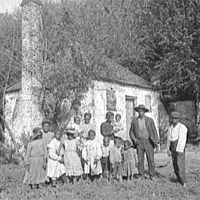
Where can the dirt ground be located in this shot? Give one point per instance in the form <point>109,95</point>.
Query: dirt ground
<point>11,187</point>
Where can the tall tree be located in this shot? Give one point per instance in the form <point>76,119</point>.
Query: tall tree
<point>171,45</point>
<point>10,50</point>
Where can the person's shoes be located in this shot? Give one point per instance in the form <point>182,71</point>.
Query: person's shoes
<point>153,178</point>
<point>184,185</point>
<point>53,183</point>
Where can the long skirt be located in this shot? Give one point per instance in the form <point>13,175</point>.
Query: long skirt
<point>36,174</point>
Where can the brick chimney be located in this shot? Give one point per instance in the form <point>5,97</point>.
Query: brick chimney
<point>30,116</point>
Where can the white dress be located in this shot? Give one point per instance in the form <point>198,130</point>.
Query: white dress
<point>92,152</point>
<point>54,168</point>
<point>72,160</point>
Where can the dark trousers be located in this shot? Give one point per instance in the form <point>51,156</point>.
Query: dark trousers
<point>105,163</point>
<point>143,147</point>
<point>178,161</point>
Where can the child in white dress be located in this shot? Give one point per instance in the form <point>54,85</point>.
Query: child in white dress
<point>73,167</point>
<point>55,166</point>
<point>92,154</point>
<point>118,127</point>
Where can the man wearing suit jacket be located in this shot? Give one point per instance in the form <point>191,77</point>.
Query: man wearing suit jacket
<point>144,135</point>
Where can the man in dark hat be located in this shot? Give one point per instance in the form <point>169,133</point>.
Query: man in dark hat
<point>144,135</point>
<point>176,141</point>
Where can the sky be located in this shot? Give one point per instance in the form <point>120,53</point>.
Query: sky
<point>9,5</point>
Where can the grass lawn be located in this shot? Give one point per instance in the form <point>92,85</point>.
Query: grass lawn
<point>11,187</point>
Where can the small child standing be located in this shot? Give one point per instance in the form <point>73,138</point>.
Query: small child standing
<point>118,127</point>
<point>116,159</point>
<point>35,160</point>
<point>105,161</point>
<point>55,169</point>
<point>92,154</point>
<point>129,161</point>
<point>73,167</point>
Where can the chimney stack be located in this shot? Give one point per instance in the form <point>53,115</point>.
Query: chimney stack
<point>30,115</point>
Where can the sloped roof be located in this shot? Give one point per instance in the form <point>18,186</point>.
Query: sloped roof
<point>108,70</point>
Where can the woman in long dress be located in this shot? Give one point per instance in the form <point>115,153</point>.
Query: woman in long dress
<point>35,160</point>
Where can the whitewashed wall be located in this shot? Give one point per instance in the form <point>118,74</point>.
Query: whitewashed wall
<point>95,101</point>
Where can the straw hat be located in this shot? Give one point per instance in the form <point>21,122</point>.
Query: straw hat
<point>141,107</point>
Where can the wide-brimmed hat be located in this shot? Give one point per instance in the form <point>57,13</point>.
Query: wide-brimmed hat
<point>141,107</point>
<point>175,115</point>
<point>71,132</point>
<point>36,130</point>
<point>46,121</point>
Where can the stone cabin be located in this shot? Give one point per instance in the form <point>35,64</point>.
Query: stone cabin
<point>117,89</point>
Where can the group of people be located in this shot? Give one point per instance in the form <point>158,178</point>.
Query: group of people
<point>74,153</point>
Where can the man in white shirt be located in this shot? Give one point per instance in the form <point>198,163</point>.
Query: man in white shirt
<point>176,141</point>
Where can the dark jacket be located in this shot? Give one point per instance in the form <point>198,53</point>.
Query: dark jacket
<point>134,130</point>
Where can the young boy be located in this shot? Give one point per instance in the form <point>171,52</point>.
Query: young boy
<point>116,159</point>
<point>105,161</point>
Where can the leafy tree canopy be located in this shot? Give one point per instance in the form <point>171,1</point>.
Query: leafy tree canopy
<point>10,49</point>
<point>171,45</point>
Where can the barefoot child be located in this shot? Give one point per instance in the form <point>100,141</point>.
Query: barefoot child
<point>92,154</point>
<point>129,161</point>
<point>105,161</point>
<point>35,160</point>
<point>73,167</point>
<point>116,160</point>
<point>55,168</point>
